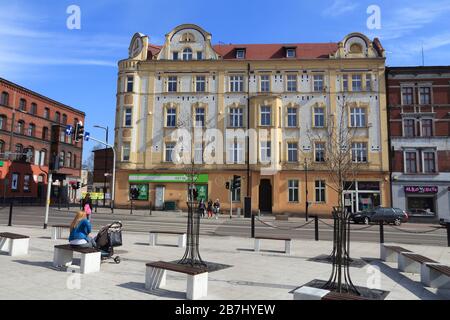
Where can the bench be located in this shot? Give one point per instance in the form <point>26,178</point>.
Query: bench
<point>90,257</point>
<point>14,244</point>
<point>57,230</point>
<point>197,278</point>
<point>412,262</point>
<point>391,253</point>
<point>287,243</point>
<point>435,275</point>
<point>181,237</point>
<point>311,293</point>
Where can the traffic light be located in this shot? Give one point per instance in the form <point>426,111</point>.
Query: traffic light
<point>236,182</point>
<point>227,185</point>
<point>79,131</point>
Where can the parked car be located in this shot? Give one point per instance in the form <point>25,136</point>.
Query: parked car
<point>387,215</point>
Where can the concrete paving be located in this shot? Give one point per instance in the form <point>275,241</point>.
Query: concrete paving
<point>266,275</point>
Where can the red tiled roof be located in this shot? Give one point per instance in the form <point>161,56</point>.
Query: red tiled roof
<point>277,51</point>
<point>154,49</point>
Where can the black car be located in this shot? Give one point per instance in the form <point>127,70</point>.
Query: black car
<point>387,215</point>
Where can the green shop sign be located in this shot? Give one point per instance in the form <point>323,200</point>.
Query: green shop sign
<point>165,178</point>
<point>1,163</point>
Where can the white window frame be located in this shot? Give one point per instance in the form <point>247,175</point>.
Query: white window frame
<point>414,128</point>
<point>172,83</point>
<point>126,146</point>
<point>421,127</point>
<point>294,188</point>
<point>264,114</point>
<point>317,149</point>
<point>129,81</point>
<point>166,150</point>
<point>404,160</point>
<point>357,83</point>
<point>318,82</point>
<point>434,152</point>
<point>264,83</point>
<point>290,53</point>
<point>200,116</point>
<point>291,114</point>
<point>403,102</point>
<point>429,95</point>
<point>357,117</point>
<point>265,151</point>
<point>237,83</point>
<point>200,81</point>
<point>187,54</point>
<point>236,117</point>
<point>291,83</point>
<point>171,113</point>
<point>359,152</point>
<point>240,54</point>
<point>322,114</point>
<point>292,149</point>
<point>130,114</point>
<point>320,187</point>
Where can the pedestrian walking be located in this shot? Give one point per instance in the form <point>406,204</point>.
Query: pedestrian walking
<point>216,208</point>
<point>201,208</point>
<point>210,208</point>
<point>87,205</point>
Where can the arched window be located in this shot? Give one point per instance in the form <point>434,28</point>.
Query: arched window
<point>47,113</point>
<point>20,127</point>
<point>19,151</point>
<point>62,156</point>
<point>5,98</point>
<point>43,157</point>
<point>64,118</point>
<point>31,130</point>
<point>69,160</point>
<point>2,146</point>
<point>33,108</point>
<point>23,105</point>
<point>57,116</point>
<point>45,133</point>
<point>187,54</point>
<point>3,120</point>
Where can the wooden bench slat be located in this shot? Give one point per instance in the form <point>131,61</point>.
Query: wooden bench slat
<point>397,249</point>
<point>441,268</point>
<point>177,267</point>
<point>273,238</point>
<point>13,236</point>
<point>76,248</point>
<point>168,232</point>
<point>61,226</point>
<point>418,258</point>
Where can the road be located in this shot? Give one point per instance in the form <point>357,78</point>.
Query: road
<point>409,233</point>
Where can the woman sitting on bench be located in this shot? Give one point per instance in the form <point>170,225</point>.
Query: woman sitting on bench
<point>80,230</point>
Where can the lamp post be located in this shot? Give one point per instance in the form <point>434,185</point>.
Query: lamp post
<point>106,162</point>
<point>306,189</point>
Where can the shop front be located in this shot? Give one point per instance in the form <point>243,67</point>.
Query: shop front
<point>421,200</point>
<point>362,195</point>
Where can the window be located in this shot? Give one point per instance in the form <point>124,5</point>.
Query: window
<point>20,127</point>
<point>409,128</point>
<point>359,152</point>
<point>318,83</point>
<point>407,96</point>
<point>33,109</point>
<point>130,83</point>
<point>45,133</point>
<point>200,83</point>
<point>4,99</point>
<point>171,117</point>
<point>14,181</point>
<point>198,153</point>
<point>26,182</point>
<point>31,130</point>
<point>368,82</point>
<point>23,105</point>
<point>42,157</point>
<point>62,136</point>
<point>356,82</point>
<point>62,157</point>
<point>28,154</point>
<point>427,127</point>
<point>200,117</point>
<point>291,83</point>
<point>126,151</point>
<point>64,118</point>
<point>169,150</point>
<point>3,122</point>
<point>429,162</point>
<point>319,117</point>
<point>290,53</point>
<point>75,163</point>
<point>236,117</point>
<point>320,191</point>
<point>19,151</point>
<point>411,162</point>
<point>292,117</point>
<point>265,83</point>
<point>345,82</point>
<point>187,54</point>
<point>236,195</point>
<point>199,55</point>
<point>175,55</point>
<point>69,160</point>
<point>292,152</point>
<point>128,117</point>
<point>265,151</point>
<point>293,190</point>
<point>2,146</point>
<point>57,117</point>
<point>236,83</point>
<point>357,117</point>
<point>425,95</point>
<point>319,152</point>
<point>172,84</point>
<point>47,113</point>
<point>240,54</point>
<point>265,116</point>
<point>236,152</point>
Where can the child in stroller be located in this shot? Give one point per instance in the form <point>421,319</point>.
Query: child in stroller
<point>108,237</point>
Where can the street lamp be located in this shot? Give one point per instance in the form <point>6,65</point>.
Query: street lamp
<point>306,189</point>
<point>106,162</point>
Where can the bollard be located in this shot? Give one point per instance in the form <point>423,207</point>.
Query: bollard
<point>81,204</point>
<point>253,225</point>
<point>10,214</point>
<point>448,234</point>
<point>316,227</point>
<point>131,207</point>
<point>96,205</point>
<point>68,204</point>
<point>381,232</point>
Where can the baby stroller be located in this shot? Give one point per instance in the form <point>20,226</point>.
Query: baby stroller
<point>108,237</point>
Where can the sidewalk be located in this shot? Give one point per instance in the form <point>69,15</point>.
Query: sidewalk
<point>268,274</point>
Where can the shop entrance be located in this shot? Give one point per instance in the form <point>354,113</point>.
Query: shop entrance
<point>265,195</point>
<point>362,196</point>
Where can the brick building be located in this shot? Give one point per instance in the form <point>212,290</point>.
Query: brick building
<point>29,122</point>
<point>419,108</point>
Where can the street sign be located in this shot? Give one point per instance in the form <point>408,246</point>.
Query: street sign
<point>87,135</point>
<point>69,130</point>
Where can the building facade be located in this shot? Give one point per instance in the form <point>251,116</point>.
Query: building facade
<point>419,108</point>
<point>281,94</point>
<point>32,138</point>
<point>102,175</point>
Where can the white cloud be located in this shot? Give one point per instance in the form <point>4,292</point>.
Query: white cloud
<point>340,7</point>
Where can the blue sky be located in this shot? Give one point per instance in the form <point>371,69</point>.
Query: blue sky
<point>79,67</point>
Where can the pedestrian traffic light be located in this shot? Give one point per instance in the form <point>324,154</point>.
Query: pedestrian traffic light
<point>227,185</point>
<point>79,131</point>
<point>236,182</point>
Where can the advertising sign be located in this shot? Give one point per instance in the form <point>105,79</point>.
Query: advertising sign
<point>140,190</point>
<point>165,178</point>
<point>421,189</point>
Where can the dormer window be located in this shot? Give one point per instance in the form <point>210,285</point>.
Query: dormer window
<point>240,53</point>
<point>187,54</point>
<point>290,52</point>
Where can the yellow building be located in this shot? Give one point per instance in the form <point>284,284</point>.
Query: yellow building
<point>286,93</point>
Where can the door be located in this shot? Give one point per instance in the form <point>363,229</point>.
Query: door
<point>349,202</point>
<point>159,197</point>
<point>265,196</point>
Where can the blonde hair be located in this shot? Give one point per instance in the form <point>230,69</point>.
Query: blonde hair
<point>79,216</point>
